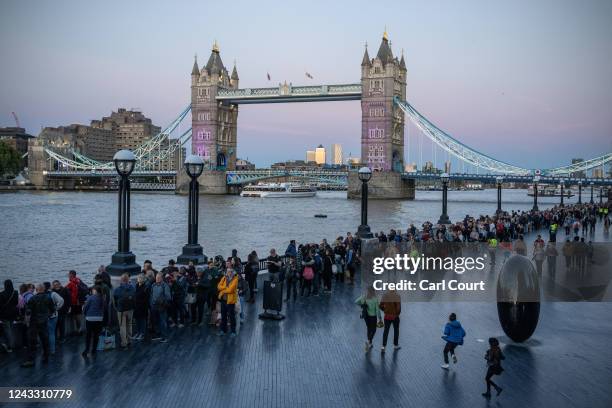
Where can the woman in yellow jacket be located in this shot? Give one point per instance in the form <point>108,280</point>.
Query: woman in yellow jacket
<point>228,296</point>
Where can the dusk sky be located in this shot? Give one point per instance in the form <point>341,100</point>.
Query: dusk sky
<point>527,82</point>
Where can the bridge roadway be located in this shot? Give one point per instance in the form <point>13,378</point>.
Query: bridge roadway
<point>334,176</point>
<point>315,357</point>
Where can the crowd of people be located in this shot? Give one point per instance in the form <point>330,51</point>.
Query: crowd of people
<point>148,305</point>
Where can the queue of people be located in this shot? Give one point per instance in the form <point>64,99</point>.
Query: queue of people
<point>215,294</point>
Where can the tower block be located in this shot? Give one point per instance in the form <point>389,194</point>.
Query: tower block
<point>382,126</point>
<point>214,125</point>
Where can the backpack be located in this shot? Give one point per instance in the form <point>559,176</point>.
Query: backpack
<point>126,301</point>
<point>177,291</point>
<point>308,273</point>
<point>83,291</point>
<point>364,310</point>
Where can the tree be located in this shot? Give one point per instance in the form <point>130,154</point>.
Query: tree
<point>10,162</point>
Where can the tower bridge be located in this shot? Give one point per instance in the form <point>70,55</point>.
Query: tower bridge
<point>215,100</point>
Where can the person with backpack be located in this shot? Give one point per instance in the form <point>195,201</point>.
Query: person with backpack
<point>123,297</point>
<point>308,272</point>
<point>160,300</point>
<point>8,314</point>
<point>93,309</point>
<point>58,302</point>
<point>494,356</point>
<point>38,310</point>
<point>453,335</point>
<point>370,313</point>
<point>78,293</point>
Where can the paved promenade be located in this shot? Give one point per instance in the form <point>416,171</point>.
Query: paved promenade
<point>315,357</point>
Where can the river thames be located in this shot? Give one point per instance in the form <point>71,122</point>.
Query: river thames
<point>45,234</point>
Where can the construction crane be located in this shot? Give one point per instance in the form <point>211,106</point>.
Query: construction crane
<point>16,119</point>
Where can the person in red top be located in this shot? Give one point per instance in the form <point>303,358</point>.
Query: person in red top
<point>75,309</point>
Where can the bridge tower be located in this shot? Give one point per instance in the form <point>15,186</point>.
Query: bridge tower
<point>214,125</point>
<point>382,125</point>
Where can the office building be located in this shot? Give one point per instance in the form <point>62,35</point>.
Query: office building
<point>320,155</point>
<point>17,138</point>
<point>310,156</point>
<point>337,154</point>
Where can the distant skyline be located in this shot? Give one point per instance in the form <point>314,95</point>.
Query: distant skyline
<point>525,82</point>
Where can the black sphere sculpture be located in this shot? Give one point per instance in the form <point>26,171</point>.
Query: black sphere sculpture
<point>518,298</point>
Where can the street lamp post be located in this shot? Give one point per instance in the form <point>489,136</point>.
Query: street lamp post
<point>123,261</point>
<point>194,165</point>
<point>592,184</point>
<point>536,179</point>
<point>562,182</point>
<point>579,191</point>
<point>499,180</point>
<point>444,217</point>
<point>365,174</point>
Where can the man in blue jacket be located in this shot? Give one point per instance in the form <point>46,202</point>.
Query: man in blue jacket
<point>453,334</point>
<point>124,303</point>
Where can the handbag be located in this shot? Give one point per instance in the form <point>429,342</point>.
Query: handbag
<point>334,269</point>
<point>190,299</point>
<point>106,341</point>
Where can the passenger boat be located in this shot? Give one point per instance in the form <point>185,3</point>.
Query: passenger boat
<point>550,191</point>
<point>278,190</point>
<point>138,227</point>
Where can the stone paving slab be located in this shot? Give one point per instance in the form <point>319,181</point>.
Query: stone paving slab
<point>315,357</point>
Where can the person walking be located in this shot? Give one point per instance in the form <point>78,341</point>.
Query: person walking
<point>494,356</point>
<point>391,305</point>
<point>370,313</point>
<point>123,297</point>
<point>9,299</point>
<point>141,306</point>
<point>453,335</point>
<point>93,309</point>
<point>160,300</point>
<point>538,256</point>
<point>38,310</point>
<point>228,296</point>
<point>551,259</point>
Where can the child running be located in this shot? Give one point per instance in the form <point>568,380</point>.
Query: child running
<point>494,356</point>
<point>453,335</point>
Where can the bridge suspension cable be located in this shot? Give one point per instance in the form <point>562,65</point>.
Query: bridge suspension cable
<point>456,148</point>
<point>580,166</point>
<point>148,154</point>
